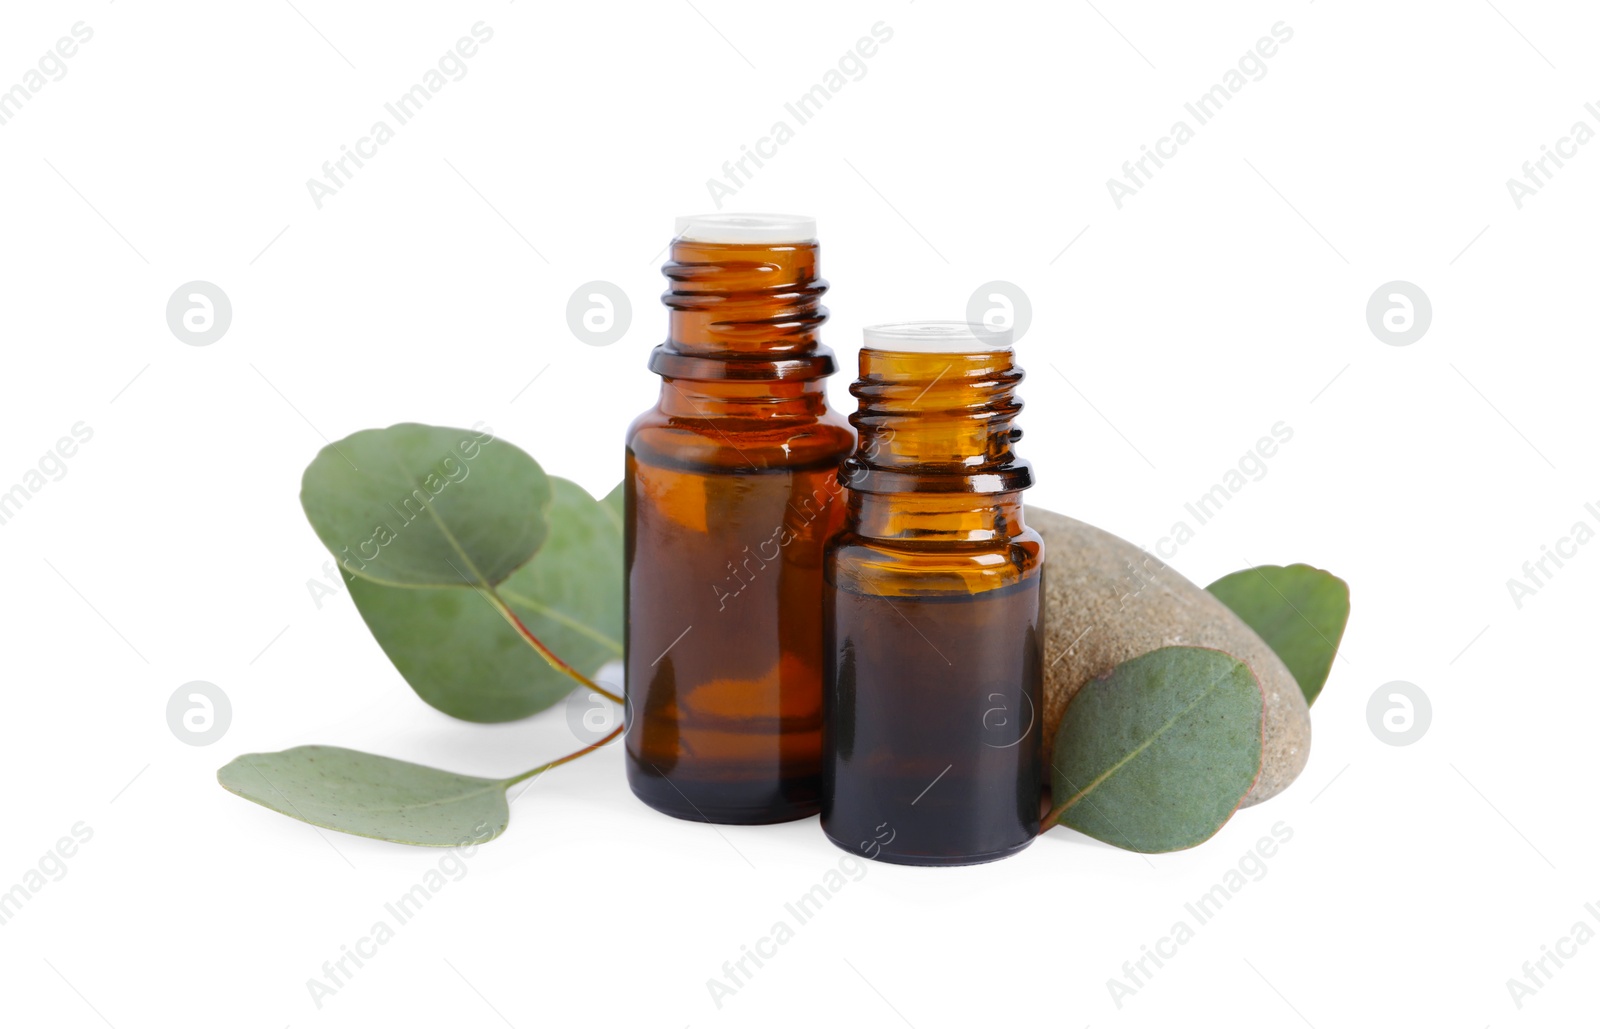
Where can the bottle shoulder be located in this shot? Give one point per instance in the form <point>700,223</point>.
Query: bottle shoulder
<point>896,567</point>
<point>660,437</point>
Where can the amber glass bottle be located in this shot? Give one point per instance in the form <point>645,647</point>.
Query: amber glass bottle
<point>731,493</point>
<point>932,615</point>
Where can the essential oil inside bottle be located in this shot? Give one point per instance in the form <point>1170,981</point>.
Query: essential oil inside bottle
<point>731,493</point>
<point>933,610</point>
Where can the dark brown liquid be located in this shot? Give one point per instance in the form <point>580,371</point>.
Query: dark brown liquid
<point>731,494</point>
<point>933,702</point>
<point>724,639</point>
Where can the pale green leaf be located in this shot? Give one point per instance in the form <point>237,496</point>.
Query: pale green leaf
<point>421,505</point>
<point>464,658</point>
<point>368,795</point>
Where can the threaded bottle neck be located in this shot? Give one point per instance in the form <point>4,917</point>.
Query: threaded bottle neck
<point>936,422</point>
<point>743,311</point>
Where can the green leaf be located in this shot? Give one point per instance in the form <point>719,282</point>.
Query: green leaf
<point>368,795</point>
<point>1156,755</point>
<point>570,594</point>
<point>463,658</point>
<point>1299,611</point>
<point>615,503</point>
<point>420,505</point>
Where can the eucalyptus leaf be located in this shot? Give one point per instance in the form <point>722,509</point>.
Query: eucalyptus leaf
<point>615,502</point>
<point>570,594</point>
<point>1298,610</point>
<point>421,505</point>
<point>368,795</point>
<point>461,656</point>
<point>1157,755</point>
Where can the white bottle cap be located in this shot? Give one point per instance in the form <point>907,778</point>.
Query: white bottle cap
<point>747,228</point>
<point>935,338</point>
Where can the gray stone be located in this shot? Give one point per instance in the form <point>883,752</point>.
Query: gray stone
<point>1107,601</point>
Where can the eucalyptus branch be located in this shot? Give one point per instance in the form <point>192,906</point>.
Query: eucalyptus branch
<point>596,745</point>
<point>545,652</point>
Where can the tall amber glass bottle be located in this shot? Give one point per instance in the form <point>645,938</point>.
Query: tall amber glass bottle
<point>933,609</point>
<point>732,492</point>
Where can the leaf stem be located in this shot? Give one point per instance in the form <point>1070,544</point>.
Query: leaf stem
<point>562,667</point>
<point>546,653</point>
<point>596,745</point>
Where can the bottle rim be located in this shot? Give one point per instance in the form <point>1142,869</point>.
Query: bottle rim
<point>935,337</point>
<point>742,227</point>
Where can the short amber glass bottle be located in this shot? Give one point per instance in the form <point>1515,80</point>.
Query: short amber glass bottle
<point>731,493</point>
<point>935,644</point>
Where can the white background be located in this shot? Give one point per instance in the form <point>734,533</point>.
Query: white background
<point>1225,296</point>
